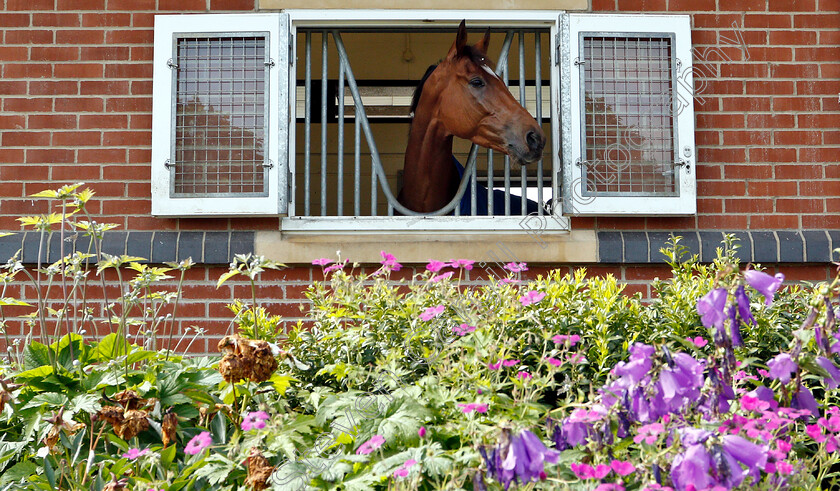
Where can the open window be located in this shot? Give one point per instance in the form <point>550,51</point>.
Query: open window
<point>219,94</point>
<point>630,146</point>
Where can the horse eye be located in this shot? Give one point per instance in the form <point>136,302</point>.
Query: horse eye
<point>477,82</point>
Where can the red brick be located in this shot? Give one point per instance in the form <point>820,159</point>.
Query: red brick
<point>26,138</point>
<point>772,188</point>
<point>832,171</point>
<point>751,205</point>
<point>805,272</point>
<point>746,104</point>
<point>829,37</point>
<point>14,20</point>
<point>703,37</point>
<point>120,171</point>
<point>821,222</point>
<point>717,120</point>
<point>717,222</point>
<point>755,137</point>
<point>604,5</point>
<point>771,54</point>
<point>105,53</point>
<point>794,70</point>
<point>721,154</point>
<point>106,20</point>
<point>76,138</point>
<point>66,121</point>
<point>769,87</point>
<point>103,121</point>
<point>797,138</point>
<point>817,54</point>
<point>30,4</point>
<point>29,36</point>
<point>748,171</point>
<point>792,5</point>
<point>830,70</point>
<point>817,21</point>
<point>796,104</point>
<point>142,53</point>
<point>133,5</point>
<point>830,104</point>
<point>138,189</point>
<point>55,20</point>
<point>829,5</point>
<point>129,70</point>
<point>818,154</point>
<point>767,21</point>
<point>141,87</point>
<point>86,36</point>
<point>103,156</point>
<point>819,188</point>
<point>81,4</point>
<point>743,38</point>
<point>743,70</point>
<point>832,205</point>
<point>808,87</point>
<point>774,222</point>
<point>50,156</point>
<point>827,120</point>
<point>770,121</point>
<point>140,122</point>
<point>799,206</point>
<point>715,20</point>
<point>139,155</point>
<point>54,53</point>
<point>27,70</point>
<point>12,122</point>
<point>129,36</point>
<point>78,104</point>
<point>10,156</point>
<point>75,172</point>
<point>78,70</point>
<point>27,105</point>
<point>706,138</point>
<point>141,20</point>
<point>721,188</point>
<point>181,5</point>
<point>108,87</point>
<point>772,154</point>
<point>799,171</point>
<point>232,5</point>
<point>720,87</point>
<point>793,37</point>
<point>127,138</point>
<point>132,104</point>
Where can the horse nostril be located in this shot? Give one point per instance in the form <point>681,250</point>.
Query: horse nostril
<point>533,139</point>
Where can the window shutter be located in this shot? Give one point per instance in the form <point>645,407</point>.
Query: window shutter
<point>220,92</point>
<point>630,143</point>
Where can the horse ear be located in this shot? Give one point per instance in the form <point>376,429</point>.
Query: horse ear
<point>460,41</point>
<point>484,43</point>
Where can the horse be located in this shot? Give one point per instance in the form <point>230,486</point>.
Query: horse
<point>462,96</point>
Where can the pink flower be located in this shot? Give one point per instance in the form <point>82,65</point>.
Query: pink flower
<point>369,446</point>
<point>754,404</point>
<point>494,366</point>
<point>403,470</point>
<point>199,443</point>
<point>509,281</point>
<point>815,432</point>
<point>531,297</point>
<point>473,406</point>
<point>431,312</point>
<point>421,432</point>
<point>463,329</point>
<point>435,266</point>
<point>648,433</point>
<point>783,467</point>
<point>610,486</point>
<point>582,471</point>
<point>576,358</point>
<point>440,277</point>
<point>321,262</point>
<point>389,262</point>
<point>510,363</point>
<point>335,267</point>
<point>134,453</point>
<point>254,420</point>
<point>462,263</point>
<point>571,340</point>
<point>698,341</point>
<point>553,361</point>
<point>516,267</point>
<point>523,375</point>
<point>622,468</point>
<point>601,471</point>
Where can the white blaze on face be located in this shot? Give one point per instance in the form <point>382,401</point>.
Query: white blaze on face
<point>490,71</point>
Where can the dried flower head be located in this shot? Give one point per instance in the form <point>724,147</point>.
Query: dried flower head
<point>259,470</point>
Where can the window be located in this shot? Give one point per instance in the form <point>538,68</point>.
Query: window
<point>305,115</point>
<point>631,136</point>
<point>219,92</point>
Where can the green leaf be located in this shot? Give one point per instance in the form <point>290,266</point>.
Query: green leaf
<point>49,472</point>
<point>227,276</point>
<point>167,455</point>
<point>218,427</point>
<point>35,355</point>
<point>35,373</point>
<point>21,470</point>
<point>107,348</point>
<point>88,403</point>
<point>281,382</point>
<point>52,399</point>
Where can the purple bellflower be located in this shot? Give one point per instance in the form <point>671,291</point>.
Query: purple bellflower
<point>764,283</point>
<point>833,378</point>
<point>781,366</point>
<point>711,306</point>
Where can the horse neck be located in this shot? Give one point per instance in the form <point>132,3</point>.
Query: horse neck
<point>429,177</point>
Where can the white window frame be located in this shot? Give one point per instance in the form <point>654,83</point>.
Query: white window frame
<point>575,201</point>
<point>166,28</point>
<point>385,19</point>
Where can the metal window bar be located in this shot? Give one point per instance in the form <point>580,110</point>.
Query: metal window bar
<point>220,89</point>
<point>361,123</point>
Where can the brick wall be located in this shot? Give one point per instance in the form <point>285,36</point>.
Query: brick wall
<point>76,105</point>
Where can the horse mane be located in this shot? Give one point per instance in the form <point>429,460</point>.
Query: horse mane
<point>469,51</point>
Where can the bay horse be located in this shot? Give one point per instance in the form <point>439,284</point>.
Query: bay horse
<point>462,96</point>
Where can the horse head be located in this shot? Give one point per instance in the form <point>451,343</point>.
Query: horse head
<point>473,103</point>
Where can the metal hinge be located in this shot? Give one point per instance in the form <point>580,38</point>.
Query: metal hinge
<point>270,63</point>
<point>557,49</point>
<point>291,50</point>
<point>168,164</point>
<point>171,64</point>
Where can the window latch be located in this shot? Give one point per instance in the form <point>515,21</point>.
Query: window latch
<point>581,162</point>
<point>683,163</point>
<point>168,164</point>
<point>269,164</point>
<point>269,63</point>
<point>579,62</point>
<point>171,64</point>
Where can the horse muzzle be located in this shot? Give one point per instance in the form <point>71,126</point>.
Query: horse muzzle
<point>530,148</point>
